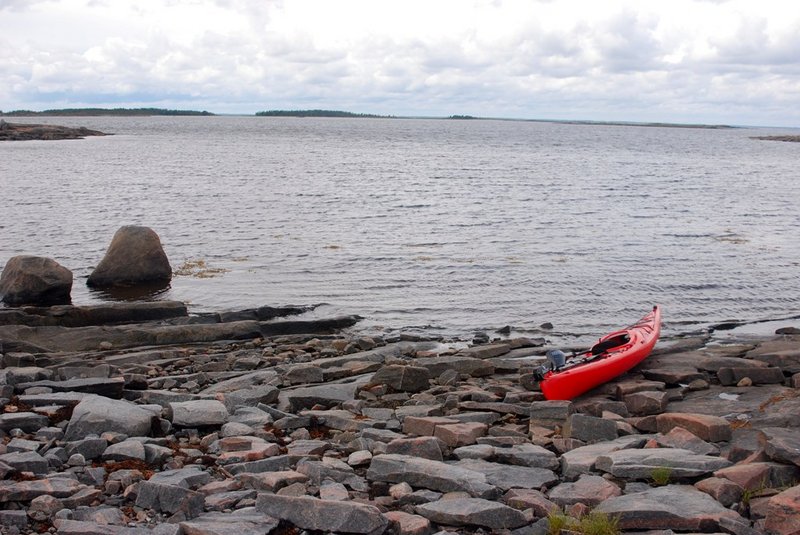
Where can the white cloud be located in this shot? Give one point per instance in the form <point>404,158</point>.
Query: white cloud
<point>732,61</point>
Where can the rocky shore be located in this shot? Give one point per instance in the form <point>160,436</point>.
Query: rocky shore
<point>139,419</point>
<point>27,132</point>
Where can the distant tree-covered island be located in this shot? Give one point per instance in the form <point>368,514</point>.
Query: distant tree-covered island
<point>318,113</point>
<point>102,112</point>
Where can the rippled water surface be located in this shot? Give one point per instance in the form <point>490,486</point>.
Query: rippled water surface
<point>435,225</point>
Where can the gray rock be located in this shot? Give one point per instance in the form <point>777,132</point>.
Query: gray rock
<point>639,464</point>
<point>422,447</point>
<point>403,378</point>
<point>327,395</point>
<point>28,461</point>
<point>782,444</point>
<point>550,413</point>
<point>326,515</point>
<point>433,475</point>
<point>647,402</point>
<point>732,376</point>
<point>582,460</point>
<point>679,437</point>
<point>472,512</point>
<point>238,522</point>
<point>199,413</point>
<point>169,498</point>
<point>17,519</point>
<point>89,448</point>
<point>189,477</point>
<point>589,428</point>
<point>135,256</point>
<point>677,507</point>
<point>96,414</point>
<point>30,422</point>
<point>588,490</point>
<point>127,450</point>
<point>22,491</point>
<point>528,455</point>
<point>507,477</point>
<point>466,365</point>
<point>34,280</point>
<point>110,387</point>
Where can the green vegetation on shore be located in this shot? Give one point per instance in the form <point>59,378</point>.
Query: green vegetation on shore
<point>94,112</point>
<point>318,113</point>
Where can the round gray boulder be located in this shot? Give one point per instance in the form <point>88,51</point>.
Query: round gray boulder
<point>35,280</point>
<point>134,257</point>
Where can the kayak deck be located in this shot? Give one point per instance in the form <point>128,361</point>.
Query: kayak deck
<point>613,355</point>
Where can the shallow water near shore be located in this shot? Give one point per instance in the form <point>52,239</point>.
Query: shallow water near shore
<point>426,226</point>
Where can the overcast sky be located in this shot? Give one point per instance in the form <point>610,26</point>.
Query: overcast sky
<point>731,62</point>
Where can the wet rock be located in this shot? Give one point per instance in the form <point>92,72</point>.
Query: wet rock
<point>429,474</point>
<point>676,507</point>
<point>472,512</point>
<point>96,414</point>
<point>34,280</point>
<point>314,514</point>
<point>588,489</point>
<point>135,256</point>
<point>709,428</point>
<point>640,464</point>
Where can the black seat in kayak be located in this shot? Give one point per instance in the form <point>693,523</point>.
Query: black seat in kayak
<point>611,343</point>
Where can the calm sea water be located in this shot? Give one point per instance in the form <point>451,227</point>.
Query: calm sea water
<point>438,226</point>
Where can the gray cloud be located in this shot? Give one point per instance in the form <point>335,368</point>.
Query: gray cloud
<point>514,59</point>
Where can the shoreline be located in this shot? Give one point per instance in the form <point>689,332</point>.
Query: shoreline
<point>139,419</point>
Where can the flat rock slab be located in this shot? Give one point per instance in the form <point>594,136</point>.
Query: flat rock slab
<point>782,444</point>
<point>325,515</point>
<point>238,523</point>
<point>783,513</point>
<point>582,460</point>
<point>588,490</point>
<point>13,491</point>
<point>27,421</point>
<point>507,477</point>
<point>198,413</point>
<point>429,474</point>
<point>708,428</point>
<point>110,387</point>
<point>472,512</point>
<point>676,507</point>
<point>639,464</point>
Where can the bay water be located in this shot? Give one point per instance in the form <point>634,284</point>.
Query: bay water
<point>426,226</point>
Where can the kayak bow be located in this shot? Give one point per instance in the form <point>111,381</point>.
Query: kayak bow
<point>613,355</point>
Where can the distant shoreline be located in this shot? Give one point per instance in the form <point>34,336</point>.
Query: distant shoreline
<point>320,113</point>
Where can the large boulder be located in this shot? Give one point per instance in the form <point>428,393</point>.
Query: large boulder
<point>134,257</point>
<point>35,280</point>
<point>96,414</point>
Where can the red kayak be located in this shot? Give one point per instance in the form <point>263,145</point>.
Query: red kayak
<point>612,355</point>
